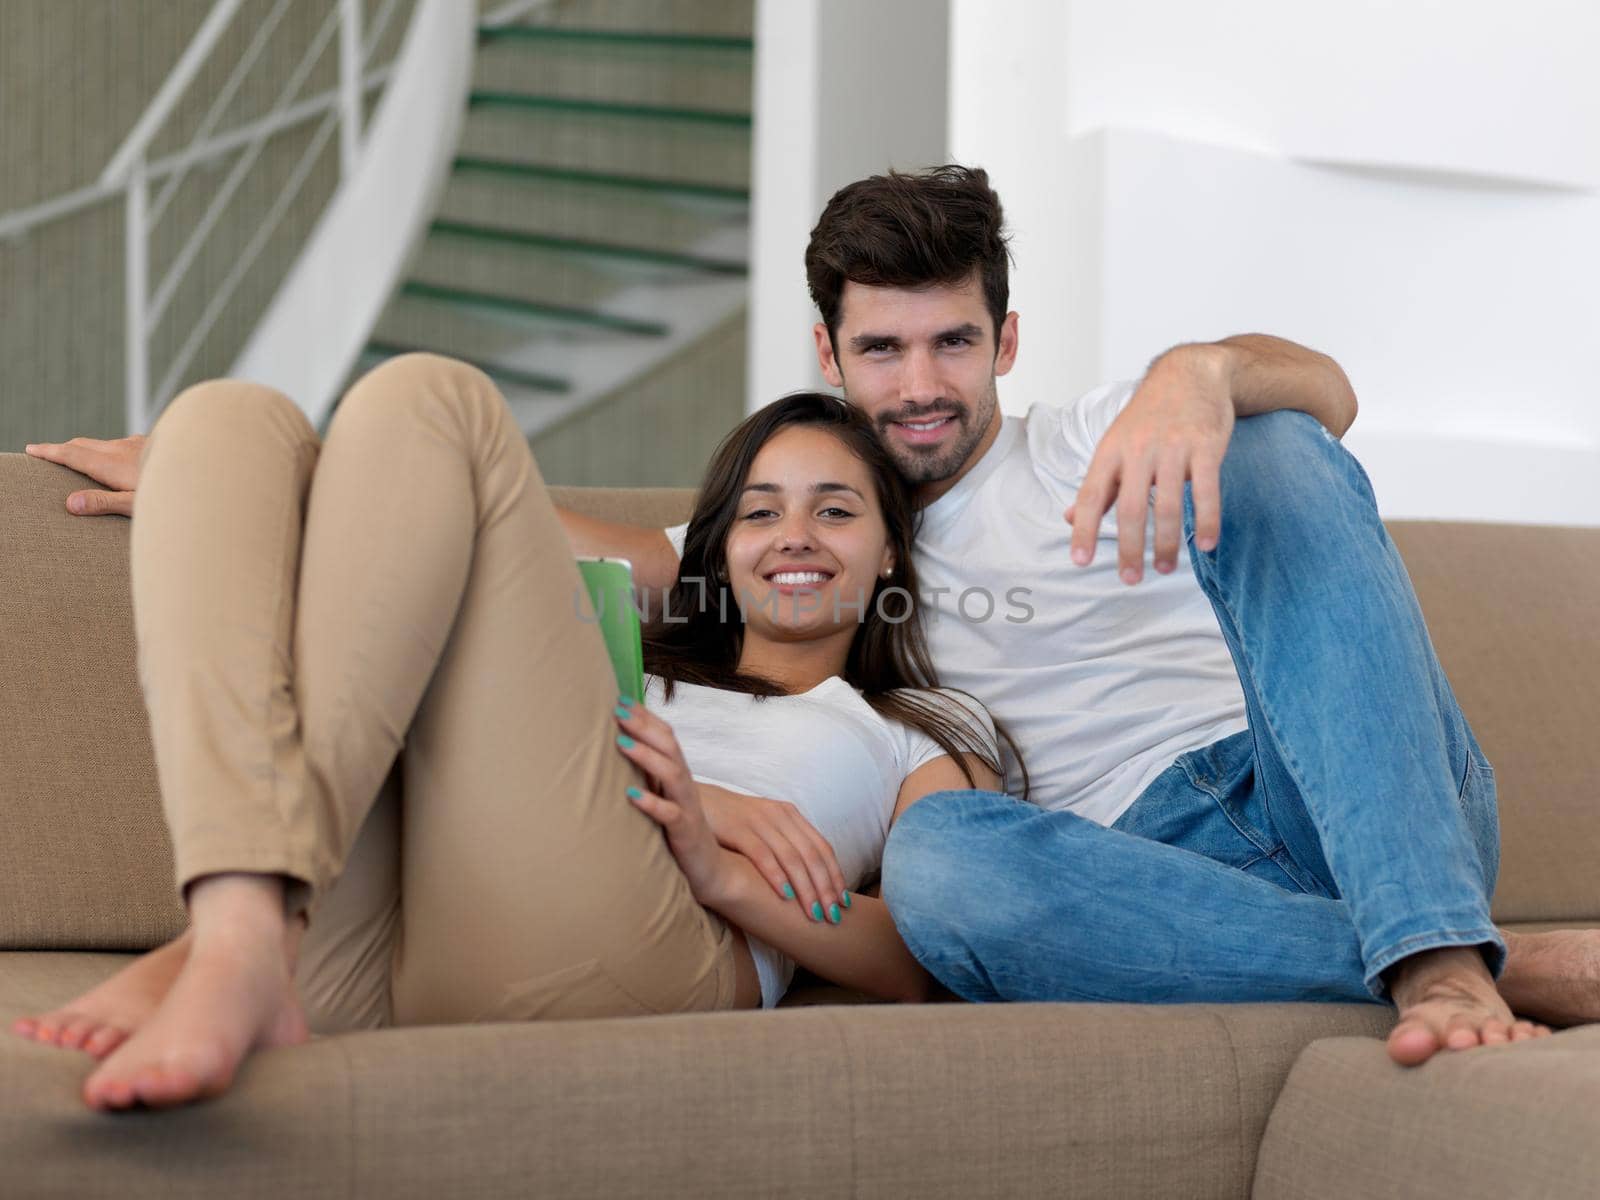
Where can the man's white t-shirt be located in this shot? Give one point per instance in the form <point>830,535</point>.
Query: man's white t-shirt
<point>1102,684</point>
<point>826,751</point>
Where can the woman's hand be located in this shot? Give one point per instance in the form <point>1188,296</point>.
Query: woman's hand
<point>784,846</point>
<point>673,798</point>
<point>114,463</point>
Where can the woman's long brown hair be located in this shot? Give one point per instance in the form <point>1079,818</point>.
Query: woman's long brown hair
<point>888,658</point>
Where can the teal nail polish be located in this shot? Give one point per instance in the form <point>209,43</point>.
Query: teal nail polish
<point>634,793</point>
<point>846,896</point>
<point>833,913</point>
<point>625,701</point>
<point>788,891</point>
<point>816,910</point>
<point>624,741</point>
<point>622,712</point>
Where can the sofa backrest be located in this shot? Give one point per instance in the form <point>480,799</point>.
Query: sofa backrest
<point>85,862</point>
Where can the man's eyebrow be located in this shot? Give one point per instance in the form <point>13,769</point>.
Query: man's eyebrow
<point>865,341</point>
<point>816,488</point>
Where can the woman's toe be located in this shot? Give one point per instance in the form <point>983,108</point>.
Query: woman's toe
<point>104,1040</point>
<point>75,1031</point>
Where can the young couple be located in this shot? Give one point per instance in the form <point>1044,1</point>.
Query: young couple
<point>1184,820</point>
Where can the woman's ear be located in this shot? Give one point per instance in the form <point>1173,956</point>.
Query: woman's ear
<point>887,570</point>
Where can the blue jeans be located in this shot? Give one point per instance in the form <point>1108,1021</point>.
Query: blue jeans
<point>1352,825</point>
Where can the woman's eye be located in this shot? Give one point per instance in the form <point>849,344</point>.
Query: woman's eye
<point>759,512</point>
<point>836,510</point>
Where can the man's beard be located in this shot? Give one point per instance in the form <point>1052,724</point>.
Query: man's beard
<point>919,465</point>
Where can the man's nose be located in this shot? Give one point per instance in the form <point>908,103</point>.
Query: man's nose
<point>919,381</point>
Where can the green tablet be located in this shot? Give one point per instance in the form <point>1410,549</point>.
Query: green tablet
<point>610,584</point>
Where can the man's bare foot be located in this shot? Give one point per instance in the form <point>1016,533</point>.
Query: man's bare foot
<point>1553,976</point>
<point>101,1019</point>
<point>233,993</point>
<point>1448,1001</point>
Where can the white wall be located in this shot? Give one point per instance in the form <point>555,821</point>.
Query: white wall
<point>843,89</point>
<point>1412,187</point>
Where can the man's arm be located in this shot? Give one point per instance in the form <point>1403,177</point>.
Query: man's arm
<point>1176,428</point>
<point>655,562</point>
<point>1266,373</point>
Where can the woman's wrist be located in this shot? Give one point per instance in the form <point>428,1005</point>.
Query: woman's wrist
<point>728,883</point>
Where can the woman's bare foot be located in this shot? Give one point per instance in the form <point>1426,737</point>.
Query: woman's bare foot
<point>1553,976</point>
<point>233,993</point>
<point>1448,1001</point>
<point>101,1019</point>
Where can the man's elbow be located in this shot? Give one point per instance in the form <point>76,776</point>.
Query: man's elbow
<point>1344,399</point>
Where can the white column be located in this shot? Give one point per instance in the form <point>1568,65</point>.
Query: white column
<point>842,91</point>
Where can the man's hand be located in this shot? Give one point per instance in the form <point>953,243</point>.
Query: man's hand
<point>1174,429</point>
<point>781,843</point>
<point>114,463</point>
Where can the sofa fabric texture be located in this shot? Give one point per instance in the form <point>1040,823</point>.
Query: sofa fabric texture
<point>822,1095</point>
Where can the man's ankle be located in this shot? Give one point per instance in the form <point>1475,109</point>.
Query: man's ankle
<point>1415,972</point>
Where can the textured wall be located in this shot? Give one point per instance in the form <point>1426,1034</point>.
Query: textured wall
<point>75,75</point>
<point>658,431</point>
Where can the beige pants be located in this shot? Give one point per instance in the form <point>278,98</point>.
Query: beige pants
<point>366,670</point>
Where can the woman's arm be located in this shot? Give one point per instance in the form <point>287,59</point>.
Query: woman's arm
<point>864,951</point>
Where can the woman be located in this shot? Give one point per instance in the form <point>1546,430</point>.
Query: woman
<point>308,612</point>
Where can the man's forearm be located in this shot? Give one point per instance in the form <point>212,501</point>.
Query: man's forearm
<point>655,563</point>
<point>1265,373</point>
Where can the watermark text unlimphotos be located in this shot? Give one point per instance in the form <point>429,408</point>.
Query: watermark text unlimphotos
<point>976,605</point>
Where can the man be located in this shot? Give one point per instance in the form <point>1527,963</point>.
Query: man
<point>1249,777</point>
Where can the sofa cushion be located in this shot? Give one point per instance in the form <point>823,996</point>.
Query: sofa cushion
<point>85,861</point>
<point>1495,1121</point>
<point>1510,611</point>
<point>915,1100</point>
<point>1509,608</point>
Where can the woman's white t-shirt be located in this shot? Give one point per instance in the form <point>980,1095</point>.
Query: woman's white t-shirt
<point>826,751</point>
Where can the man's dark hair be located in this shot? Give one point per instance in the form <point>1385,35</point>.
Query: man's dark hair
<point>910,229</point>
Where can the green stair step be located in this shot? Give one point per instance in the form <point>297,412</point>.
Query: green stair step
<point>607,108</point>
<point>681,187</point>
<point>615,37</point>
<point>578,316</point>
<point>528,379</point>
<point>549,241</point>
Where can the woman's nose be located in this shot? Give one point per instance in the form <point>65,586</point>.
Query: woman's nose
<point>795,534</point>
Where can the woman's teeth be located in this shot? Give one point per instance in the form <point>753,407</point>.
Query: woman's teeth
<point>799,577</point>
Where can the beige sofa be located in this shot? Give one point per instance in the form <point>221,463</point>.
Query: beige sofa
<point>826,1096</point>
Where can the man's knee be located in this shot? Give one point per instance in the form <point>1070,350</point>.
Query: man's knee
<point>921,847</point>
<point>1285,467</point>
<point>937,856</point>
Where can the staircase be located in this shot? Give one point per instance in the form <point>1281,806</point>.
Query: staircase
<point>590,249</point>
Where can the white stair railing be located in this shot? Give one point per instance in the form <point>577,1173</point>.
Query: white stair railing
<point>312,334</point>
<point>446,29</point>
